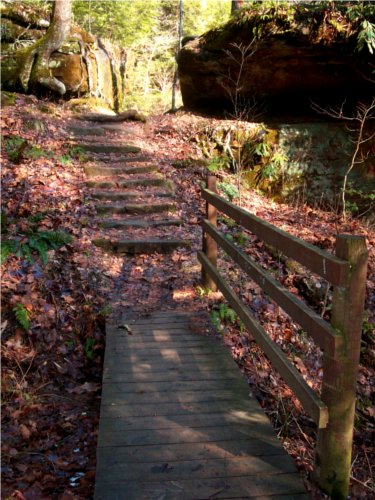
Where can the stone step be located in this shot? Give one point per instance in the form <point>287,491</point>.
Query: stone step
<point>129,195</point>
<point>79,131</point>
<point>110,148</point>
<point>104,171</point>
<point>140,246</point>
<point>139,223</point>
<point>135,208</point>
<point>119,158</point>
<point>130,183</point>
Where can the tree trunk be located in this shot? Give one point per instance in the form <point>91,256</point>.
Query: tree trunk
<point>36,71</point>
<point>236,5</point>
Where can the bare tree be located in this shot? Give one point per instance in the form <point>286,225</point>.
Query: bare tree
<point>363,114</point>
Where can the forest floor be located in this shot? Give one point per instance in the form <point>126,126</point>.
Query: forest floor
<point>58,289</point>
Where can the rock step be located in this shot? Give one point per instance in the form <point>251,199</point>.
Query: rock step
<point>129,195</point>
<point>140,246</point>
<point>119,158</point>
<point>139,223</point>
<point>102,170</point>
<point>110,148</point>
<point>130,183</point>
<point>79,131</point>
<point>135,208</point>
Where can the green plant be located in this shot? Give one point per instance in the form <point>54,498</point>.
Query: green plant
<point>37,241</point>
<point>224,314</point>
<point>88,348</point>
<point>34,152</point>
<point>105,311</point>
<point>262,149</point>
<point>202,291</point>
<point>216,164</point>
<point>229,190</point>
<point>15,147</point>
<point>241,238</point>
<point>22,316</point>
<point>78,153</point>
<point>66,160</point>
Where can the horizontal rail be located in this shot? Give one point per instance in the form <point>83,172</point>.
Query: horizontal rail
<point>322,332</point>
<point>313,405</point>
<point>324,264</point>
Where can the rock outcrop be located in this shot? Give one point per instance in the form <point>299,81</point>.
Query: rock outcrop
<point>276,63</point>
<point>86,65</point>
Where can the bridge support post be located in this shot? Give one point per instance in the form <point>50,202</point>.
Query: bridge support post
<point>334,444</point>
<point>209,244</point>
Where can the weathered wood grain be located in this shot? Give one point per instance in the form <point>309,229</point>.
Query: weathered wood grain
<point>178,420</point>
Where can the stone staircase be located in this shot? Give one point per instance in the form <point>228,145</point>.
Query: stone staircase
<point>136,207</point>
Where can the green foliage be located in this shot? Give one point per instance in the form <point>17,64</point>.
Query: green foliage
<point>34,242</point>
<point>229,190</point>
<point>105,311</point>
<point>88,348</point>
<point>150,38</point>
<point>224,314</point>
<point>34,152</point>
<point>216,164</point>
<point>17,148</point>
<point>66,160</point>
<point>262,149</point>
<point>241,238</point>
<point>202,291</point>
<point>22,316</point>
<point>77,153</point>
<point>14,147</point>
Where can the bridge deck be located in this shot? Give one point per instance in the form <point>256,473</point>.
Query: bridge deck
<point>177,420</point>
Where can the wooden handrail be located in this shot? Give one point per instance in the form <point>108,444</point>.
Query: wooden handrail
<point>340,340</point>
<point>324,264</point>
<point>310,401</point>
<point>322,332</point>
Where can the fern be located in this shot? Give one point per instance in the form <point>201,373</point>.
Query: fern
<point>22,316</point>
<point>40,246</point>
<point>55,239</point>
<point>8,247</point>
<point>39,241</point>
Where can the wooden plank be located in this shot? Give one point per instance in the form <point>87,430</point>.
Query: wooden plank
<point>181,398</point>
<point>237,385</point>
<point>114,366</point>
<point>324,264</point>
<point>125,374</point>
<point>181,414</point>
<point>184,435</point>
<point>190,489</point>
<point>175,422</point>
<point>139,342</point>
<point>190,451</point>
<point>193,469</point>
<point>146,410</point>
<point>313,405</point>
<point>322,332</point>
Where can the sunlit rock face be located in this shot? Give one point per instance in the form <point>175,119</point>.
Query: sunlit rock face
<point>86,65</point>
<point>281,73</point>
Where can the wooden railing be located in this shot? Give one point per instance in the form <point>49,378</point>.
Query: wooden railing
<point>333,411</point>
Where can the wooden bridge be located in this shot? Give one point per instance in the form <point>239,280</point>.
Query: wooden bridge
<point>178,422</point>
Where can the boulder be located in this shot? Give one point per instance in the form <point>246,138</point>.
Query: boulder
<point>280,64</point>
<point>87,66</point>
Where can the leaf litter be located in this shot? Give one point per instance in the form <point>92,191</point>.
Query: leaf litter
<point>51,372</point>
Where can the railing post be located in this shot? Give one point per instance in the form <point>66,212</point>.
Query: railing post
<point>209,244</point>
<point>334,444</point>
